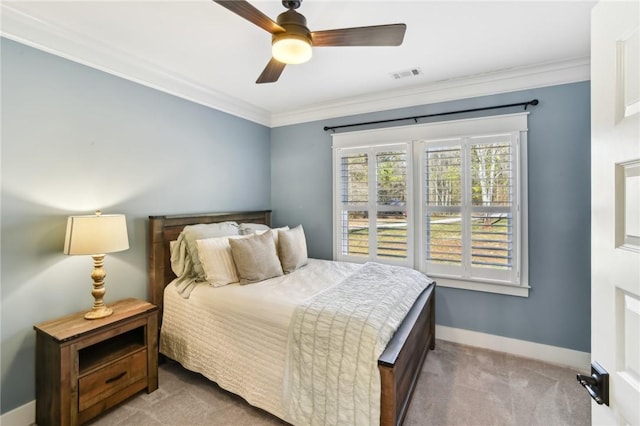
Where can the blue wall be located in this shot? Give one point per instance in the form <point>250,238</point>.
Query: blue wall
<point>74,140</point>
<point>557,311</point>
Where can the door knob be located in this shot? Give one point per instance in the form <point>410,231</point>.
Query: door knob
<point>597,384</point>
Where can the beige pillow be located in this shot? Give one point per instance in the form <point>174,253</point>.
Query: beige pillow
<point>275,232</point>
<point>217,261</point>
<point>293,249</point>
<point>255,258</point>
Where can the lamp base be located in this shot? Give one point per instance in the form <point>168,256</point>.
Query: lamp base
<point>99,312</point>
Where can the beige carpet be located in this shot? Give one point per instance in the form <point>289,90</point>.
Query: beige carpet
<point>459,385</point>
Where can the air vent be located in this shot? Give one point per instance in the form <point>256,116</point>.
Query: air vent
<point>413,72</point>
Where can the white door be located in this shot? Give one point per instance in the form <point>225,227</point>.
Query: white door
<point>615,207</point>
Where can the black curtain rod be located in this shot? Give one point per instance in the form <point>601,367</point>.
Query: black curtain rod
<point>415,118</point>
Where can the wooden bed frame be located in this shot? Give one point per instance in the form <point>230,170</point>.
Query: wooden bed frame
<point>399,364</point>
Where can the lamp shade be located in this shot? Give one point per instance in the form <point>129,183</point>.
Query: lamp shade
<point>96,234</point>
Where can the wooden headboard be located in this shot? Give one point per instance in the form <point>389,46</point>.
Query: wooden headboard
<point>164,229</point>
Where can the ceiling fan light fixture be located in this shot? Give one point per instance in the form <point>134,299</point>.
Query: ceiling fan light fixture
<point>291,49</point>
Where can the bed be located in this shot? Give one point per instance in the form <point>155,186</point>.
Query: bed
<point>398,365</point>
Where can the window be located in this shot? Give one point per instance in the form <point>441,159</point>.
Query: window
<point>373,204</point>
<point>471,207</point>
<point>465,224</point>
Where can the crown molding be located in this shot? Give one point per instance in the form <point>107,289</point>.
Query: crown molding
<point>82,48</point>
<point>542,75</point>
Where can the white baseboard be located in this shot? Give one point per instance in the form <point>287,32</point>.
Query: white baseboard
<point>538,351</point>
<point>24,415</point>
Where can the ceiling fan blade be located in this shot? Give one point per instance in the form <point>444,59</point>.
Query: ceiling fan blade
<point>376,35</point>
<point>271,72</point>
<point>245,10</point>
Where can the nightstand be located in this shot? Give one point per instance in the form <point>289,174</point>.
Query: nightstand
<point>84,367</point>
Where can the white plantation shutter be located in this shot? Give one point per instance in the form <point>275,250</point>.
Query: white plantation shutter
<point>443,207</point>
<point>373,186</point>
<point>492,202</point>
<point>471,207</point>
<point>354,191</point>
<point>391,208</point>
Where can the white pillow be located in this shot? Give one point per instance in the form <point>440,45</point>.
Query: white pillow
<point>251,228</point>
<point>292,249</point>
<point>217,261</point>
<point>192,233</point>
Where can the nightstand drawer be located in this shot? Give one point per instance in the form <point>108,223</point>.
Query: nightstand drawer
<point>106,381</point>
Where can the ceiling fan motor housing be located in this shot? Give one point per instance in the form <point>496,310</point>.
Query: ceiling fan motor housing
<point>295,24</point>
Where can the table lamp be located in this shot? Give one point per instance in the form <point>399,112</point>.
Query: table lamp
<point>96,235</point>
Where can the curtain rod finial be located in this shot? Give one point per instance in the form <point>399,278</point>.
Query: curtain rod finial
<point>533,102</point>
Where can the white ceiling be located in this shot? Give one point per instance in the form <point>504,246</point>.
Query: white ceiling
<point>200,51</point>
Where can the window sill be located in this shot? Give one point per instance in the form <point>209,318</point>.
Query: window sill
<point>506,289</point>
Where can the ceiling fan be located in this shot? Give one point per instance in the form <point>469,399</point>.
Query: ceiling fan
<point>292,40</point>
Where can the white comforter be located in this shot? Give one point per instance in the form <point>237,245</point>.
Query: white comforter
<point>238,337</point>
<point>336,339</point>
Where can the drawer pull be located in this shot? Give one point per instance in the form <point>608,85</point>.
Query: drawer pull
<point>114,378</point>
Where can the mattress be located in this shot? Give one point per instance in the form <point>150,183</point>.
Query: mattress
<point>237,335</point>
